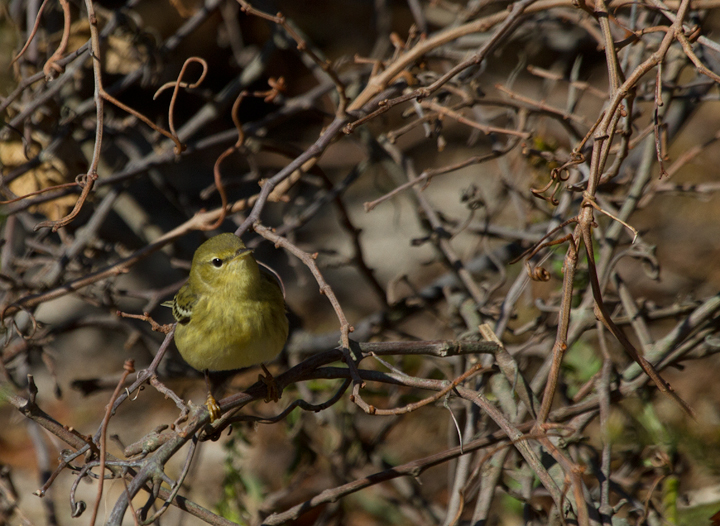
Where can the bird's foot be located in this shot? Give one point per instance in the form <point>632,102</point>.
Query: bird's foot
<point>273,389</point>
<point>213,407</point>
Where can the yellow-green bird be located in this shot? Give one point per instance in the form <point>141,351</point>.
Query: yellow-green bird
<point>231,312</point>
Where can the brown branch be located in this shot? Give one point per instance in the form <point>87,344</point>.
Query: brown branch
<point>41,191</point>
<point>302,46</point>
<point>91,176</point>
<point>52,69</point>
<point>325,289</point>
<point>115,269</point>
<point>604,316</point>
<point>303,162</point>
<point>33,32</point>
<point>179,147</point>
<point>507,18</point>
<point>276,87</point>
<point>128,369</point>
<point>487,130</point>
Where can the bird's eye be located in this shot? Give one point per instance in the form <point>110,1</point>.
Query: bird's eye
<point>217,262</point>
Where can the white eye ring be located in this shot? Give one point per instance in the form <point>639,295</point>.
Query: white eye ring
<point>217,262</point>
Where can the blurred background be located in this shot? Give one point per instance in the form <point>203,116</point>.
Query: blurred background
<point>431,261</point>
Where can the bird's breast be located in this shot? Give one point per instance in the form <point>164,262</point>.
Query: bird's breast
<point>233,329</point>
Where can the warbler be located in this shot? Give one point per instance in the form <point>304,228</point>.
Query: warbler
<point>230,313</point>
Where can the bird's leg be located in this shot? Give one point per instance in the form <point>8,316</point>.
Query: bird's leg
<point>273,389</point>
<point>211,404</point>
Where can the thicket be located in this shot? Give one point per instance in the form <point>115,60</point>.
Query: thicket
<point>495,221</point>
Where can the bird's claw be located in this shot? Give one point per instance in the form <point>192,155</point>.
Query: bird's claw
<point>273,389</point>
<point>213,408</point>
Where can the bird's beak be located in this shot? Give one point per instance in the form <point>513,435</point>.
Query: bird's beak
<point>242,252</point>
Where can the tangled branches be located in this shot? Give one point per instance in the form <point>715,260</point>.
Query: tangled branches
<point>403,183</point>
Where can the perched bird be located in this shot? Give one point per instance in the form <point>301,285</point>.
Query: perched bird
<point>230,314</point>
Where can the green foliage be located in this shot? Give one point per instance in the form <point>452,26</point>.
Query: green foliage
<point>581,363</point>
<point>237,487</point>
<point>698,515</point>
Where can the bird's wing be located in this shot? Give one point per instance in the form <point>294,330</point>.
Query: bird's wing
<point>183,303</point>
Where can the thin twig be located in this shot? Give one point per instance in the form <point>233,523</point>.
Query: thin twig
<point>128,369</point>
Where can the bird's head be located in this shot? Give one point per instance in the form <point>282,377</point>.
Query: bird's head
<point>221,258</point>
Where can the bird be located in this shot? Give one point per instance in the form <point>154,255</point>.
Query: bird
<point>230,313</point>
